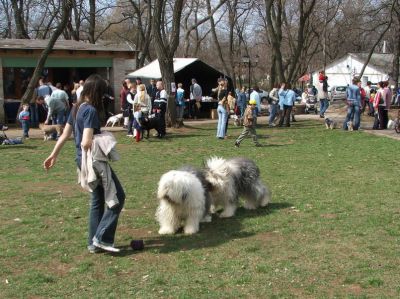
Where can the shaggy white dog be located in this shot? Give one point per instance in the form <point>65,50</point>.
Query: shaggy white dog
<point>183,202</point>
<point>229,179</point>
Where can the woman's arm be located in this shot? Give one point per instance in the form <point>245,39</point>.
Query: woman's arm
<point>87,138</point>
<point>129,99</point>
<point>51,160</point>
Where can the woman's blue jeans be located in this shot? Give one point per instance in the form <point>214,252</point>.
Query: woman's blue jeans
<point>353,111</point>
<point>222,118</point>
<point>272,115</point>
<point>102,220</point>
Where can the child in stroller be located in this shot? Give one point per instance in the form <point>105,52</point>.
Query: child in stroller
<point>4,140</point>
<point>310,101</point>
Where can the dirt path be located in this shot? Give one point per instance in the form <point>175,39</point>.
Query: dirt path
<point>336,111</point>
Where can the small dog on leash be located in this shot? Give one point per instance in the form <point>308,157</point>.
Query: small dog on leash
<point>350,126</point>
<point>330,124</point>
<point>114,119</point>
<point>48,130</point>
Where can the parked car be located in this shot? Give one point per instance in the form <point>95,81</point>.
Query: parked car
<point>337,93</point>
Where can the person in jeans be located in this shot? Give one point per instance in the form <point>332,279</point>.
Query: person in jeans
<point>353,96</point>
<point>160,107</point>
<point>180,105</point>
<point>58,107</point>
<point>273,105</point>
<point>248,125</point>
<point>84,122</point>
<point>23,117</point>
<point>287,97</point>
<point>322,87</point>
<point>195,98</point>
<point>222,109</point>
<point>241,101</point>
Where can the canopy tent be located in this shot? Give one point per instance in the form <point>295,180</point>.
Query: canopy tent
<point>185,69</point>
<point>304,78</point>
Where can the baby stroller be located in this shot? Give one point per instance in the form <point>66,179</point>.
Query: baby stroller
<point>311,104</point>
<point>4,140</point>
<point>3,135</point>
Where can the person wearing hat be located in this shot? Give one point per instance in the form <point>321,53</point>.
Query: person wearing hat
<point>249,124</point>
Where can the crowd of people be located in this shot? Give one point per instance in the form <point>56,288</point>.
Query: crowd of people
<point>52,104</point>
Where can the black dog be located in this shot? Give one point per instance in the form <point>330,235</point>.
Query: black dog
<point>148,123</point>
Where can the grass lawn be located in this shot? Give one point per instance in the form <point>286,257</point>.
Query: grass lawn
<point>332,229</point>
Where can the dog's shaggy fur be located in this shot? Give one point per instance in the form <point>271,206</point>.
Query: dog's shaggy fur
<point>48,130</point>
<point>114,119</point>
<point>330,124</point>
<point>184,201</point>
<point>350,126</point>
<point>229,179</point>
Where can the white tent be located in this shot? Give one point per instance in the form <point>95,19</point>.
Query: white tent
<point>152,70</point>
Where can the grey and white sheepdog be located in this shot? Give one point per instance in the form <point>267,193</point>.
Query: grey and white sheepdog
<point>184,201</point>
<point>230,179</point>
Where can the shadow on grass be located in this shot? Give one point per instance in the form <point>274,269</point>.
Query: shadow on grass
<point>17,146</point>
<point>219,231</point>
<point>200,128</point>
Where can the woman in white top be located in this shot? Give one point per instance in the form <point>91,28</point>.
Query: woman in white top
<point>142,101</point>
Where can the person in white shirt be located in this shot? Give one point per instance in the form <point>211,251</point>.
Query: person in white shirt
<point>79,90</point>
<point>367,99</point>
<point>160,107</point>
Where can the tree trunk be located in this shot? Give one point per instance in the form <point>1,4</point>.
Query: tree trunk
<point>395,71</point>
<point>66,10</point>
<point>19,19</point>
<point>92,21</point>
<point>215,37</point>
<point>165,48</point>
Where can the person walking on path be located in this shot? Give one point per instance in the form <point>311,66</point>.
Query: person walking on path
<point>84,122</point>
<point>248,125</point>
<point>322,87</point>
<point>353,96</point>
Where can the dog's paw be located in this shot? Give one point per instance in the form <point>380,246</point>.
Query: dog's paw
<point>190,230</point>
<point>207,218</point>
<point>248,205</point>
<point>226,214</point>
<point>166,231</point>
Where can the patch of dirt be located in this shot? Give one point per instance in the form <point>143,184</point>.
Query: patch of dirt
<point>329,216</point>
<point>53,187</point>
<point>355,289</point>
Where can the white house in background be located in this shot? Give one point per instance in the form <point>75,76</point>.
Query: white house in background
<point>341,71</point>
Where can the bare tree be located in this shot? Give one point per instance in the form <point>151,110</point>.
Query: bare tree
<point>166,45</point>
<point>396,56</point>
<point>388,25</point>
<point>18,8</point>
<point>6,23</point>
<point>65,13</point>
